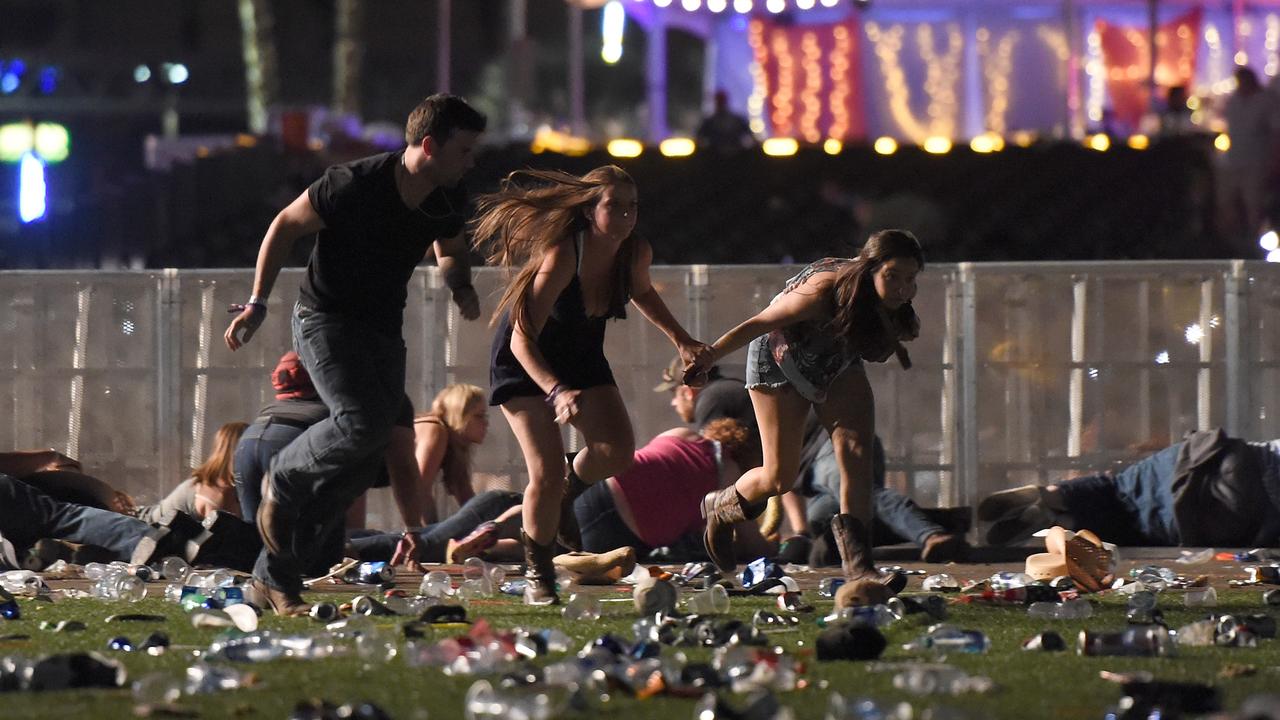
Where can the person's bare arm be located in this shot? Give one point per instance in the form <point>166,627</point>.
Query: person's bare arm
<point>647,300</point>
<point>406,482</point>
<point>804,302</point>
<point>431,442</point>
<point>452,255</point>
<point>299,218</point>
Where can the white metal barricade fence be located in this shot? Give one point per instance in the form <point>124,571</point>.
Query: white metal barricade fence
<point>1024,372</point>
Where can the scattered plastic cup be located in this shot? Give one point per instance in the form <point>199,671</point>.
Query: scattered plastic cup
<point>712,601</point>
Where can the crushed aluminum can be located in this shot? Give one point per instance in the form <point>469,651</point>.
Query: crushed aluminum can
<point>1269,574</point>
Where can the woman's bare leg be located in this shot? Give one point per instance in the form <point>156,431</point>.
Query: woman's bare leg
<point>780,413</point>
<point>536,430</point>
<point>609,443</point>
<point>849,415</point>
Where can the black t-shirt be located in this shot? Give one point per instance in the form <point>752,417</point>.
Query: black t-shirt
<point>372,241</point>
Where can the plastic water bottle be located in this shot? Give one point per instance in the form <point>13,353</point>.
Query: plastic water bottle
<point>372,573</point>
<point>484,702</point>
<point>21,582</point>
<point>943,679</point>
<point>1010,580</point>
<point>1077,609</point>
<point>948,638</point>
<point>1202,633</point>
<point>174,568</point>
<point>942,582</point>
<point>873,615</point>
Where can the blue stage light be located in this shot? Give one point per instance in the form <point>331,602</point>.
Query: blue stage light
<point>31,188</point>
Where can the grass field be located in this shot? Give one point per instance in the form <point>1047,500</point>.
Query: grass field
<point>1030,685</point>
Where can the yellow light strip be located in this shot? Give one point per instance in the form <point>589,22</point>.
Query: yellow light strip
<point>838,60</point>
<point>784,96</point>
<point>809,100</point>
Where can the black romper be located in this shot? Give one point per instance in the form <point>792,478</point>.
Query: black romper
<point>571,341</point>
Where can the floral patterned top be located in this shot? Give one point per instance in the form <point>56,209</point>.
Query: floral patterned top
<point>805,354</point>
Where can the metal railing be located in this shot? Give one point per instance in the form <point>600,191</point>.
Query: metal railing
<point>1024,372</point>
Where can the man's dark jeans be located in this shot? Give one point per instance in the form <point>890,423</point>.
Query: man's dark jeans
<point>27,515</point>
<point>359,374</point>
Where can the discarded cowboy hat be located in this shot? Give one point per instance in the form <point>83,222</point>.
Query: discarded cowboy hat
<point>1081,555</point>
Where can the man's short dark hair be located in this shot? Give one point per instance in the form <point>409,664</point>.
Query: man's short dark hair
<point>440,116</point>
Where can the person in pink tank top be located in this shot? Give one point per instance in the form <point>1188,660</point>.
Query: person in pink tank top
<point>653,503</point>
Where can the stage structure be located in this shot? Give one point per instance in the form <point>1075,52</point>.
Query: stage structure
<point>957,69</point>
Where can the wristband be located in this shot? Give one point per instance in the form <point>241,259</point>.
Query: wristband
<point>555,392</point>
<point>257,300</point>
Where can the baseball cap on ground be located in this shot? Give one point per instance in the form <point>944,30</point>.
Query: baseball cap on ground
<point>290,378</point>
<point>673,374</point>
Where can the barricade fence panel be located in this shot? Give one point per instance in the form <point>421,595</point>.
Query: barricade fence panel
<point>1024,372</point>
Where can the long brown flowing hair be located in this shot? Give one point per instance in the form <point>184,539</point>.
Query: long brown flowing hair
<point>532,212</point>
<point>449,408</point>
<point>860,318</point>
<point>215,471</point>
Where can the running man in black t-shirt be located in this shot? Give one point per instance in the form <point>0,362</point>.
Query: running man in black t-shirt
<point>375,219</point>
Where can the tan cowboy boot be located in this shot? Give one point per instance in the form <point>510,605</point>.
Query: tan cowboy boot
<point>539,572</point>
<point>854,543</point>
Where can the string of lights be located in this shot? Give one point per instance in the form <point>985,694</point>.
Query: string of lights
<point>841,51</point>
<point>781,112</point>
<point>996,72</point>
<point>759,86</point>
<point>1271,42</point>
<point>809,98</point>
<point>941,77</point>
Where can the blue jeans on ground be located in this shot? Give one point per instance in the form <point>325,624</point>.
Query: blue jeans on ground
<point>433,540</point>
<point>359,374</point>
<point>1133,507</point>
<point>895,511</point>
<point>27,515</point>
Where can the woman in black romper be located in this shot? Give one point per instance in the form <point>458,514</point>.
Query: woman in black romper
<point>579,263</point>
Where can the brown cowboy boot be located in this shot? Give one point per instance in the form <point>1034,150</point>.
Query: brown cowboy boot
<point>284,603</point>
<point>539,572</point>
<point>570,535</point>
<point>722,509</point>
<point>854,543</point>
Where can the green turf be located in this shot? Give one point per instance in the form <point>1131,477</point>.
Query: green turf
<point>1030,684</point>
